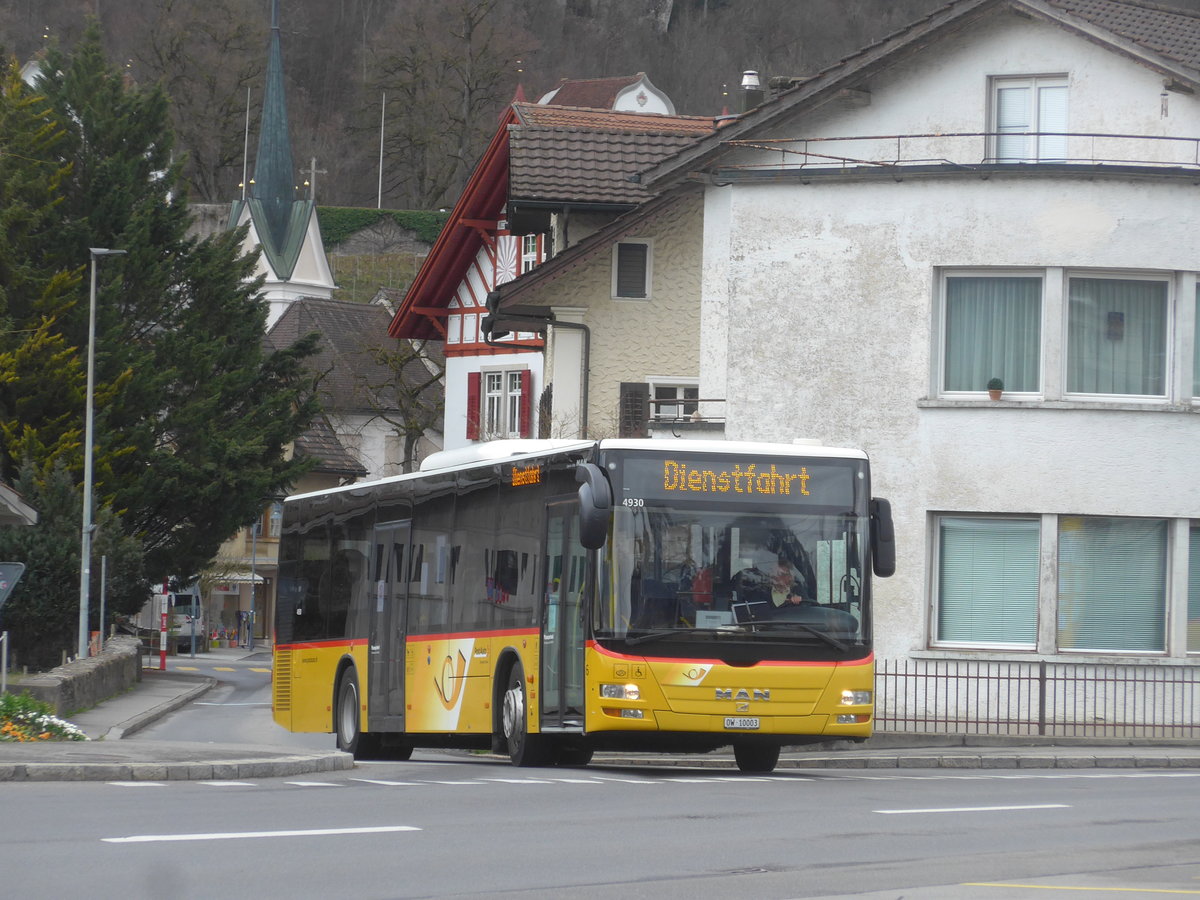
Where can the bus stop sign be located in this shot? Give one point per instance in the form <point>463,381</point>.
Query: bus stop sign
<point>10,574</point>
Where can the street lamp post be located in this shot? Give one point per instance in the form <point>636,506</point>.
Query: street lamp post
<point>85,556</point>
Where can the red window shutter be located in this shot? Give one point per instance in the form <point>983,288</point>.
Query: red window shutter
<point>526,404</point>
<point>474,389</point>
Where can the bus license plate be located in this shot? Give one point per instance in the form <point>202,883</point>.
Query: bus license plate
<point>741,722</point>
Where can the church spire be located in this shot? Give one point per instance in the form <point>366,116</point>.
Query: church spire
<point>274,179</point>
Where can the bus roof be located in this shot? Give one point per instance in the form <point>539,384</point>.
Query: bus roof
<point>491,451</point>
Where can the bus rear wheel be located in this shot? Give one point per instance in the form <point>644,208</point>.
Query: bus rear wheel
<point>524,749</point>
<point>346,721</point>
<point>756,758</point>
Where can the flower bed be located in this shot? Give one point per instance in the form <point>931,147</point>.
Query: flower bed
<point>24,718</point>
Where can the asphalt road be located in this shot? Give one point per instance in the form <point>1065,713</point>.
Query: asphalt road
<point>453,825</point>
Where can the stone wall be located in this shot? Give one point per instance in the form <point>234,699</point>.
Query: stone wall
<point>82,684</point>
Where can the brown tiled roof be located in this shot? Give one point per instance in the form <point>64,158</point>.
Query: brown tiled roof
<point>1174,33</point>
<point>320,443</point>
<point>573,117</point>
<point>587,156</point>
<point>594,93</point>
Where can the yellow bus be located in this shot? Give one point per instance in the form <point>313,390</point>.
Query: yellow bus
<point>547,599</point>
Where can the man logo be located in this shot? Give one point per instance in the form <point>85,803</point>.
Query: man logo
<point>742,694</point>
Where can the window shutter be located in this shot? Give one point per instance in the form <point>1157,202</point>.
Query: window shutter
<point>474,383</point>
<point>631,270</point>
<point>635,403</point>
<point>526,414</point>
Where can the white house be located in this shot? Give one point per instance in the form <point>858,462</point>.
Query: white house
<point>1007,189</point>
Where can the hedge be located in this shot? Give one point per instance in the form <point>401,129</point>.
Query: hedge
<point>340,222</point>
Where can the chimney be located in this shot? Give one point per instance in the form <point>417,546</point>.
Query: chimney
<point>752,91</point>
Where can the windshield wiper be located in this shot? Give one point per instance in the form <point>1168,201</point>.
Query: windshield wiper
<point>783,626</point>
<point>656,635</point>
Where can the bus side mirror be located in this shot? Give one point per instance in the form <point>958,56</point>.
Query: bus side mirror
<point>883,538</point>
<point>595,505</point>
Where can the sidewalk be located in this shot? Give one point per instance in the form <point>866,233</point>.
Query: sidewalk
<point>108,758</point>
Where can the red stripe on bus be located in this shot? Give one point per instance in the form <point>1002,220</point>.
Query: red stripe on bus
<point>307,645</point>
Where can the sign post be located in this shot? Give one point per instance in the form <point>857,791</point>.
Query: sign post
<point>162,629</point>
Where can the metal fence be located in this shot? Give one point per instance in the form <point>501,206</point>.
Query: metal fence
<point>1037,698</point>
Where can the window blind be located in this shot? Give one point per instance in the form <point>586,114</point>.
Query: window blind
<point>988,580</point>
<point>1111,583</point>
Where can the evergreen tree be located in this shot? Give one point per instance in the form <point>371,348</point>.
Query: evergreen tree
<point>192,412</point>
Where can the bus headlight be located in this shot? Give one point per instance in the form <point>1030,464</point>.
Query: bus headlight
<point>620,691</point>
<point>856,698</point>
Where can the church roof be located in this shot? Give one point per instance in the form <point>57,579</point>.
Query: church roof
<point>280,219</point>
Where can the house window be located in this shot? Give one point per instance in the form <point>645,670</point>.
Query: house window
<point>1112,575</point>
<point>1029,118</point>
<point>631,270</point>
<point>992,329</point>
<point>634,409</point>
<point>1196,349</point>
<point>670,401</point>
<point>987,589</point>
<point>529,252</point>
<point>1117,336</point>
<point>499,405</point>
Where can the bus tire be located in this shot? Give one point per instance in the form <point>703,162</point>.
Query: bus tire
<point>524,749</point>
<point>756,758</point>
<point>347,723</point>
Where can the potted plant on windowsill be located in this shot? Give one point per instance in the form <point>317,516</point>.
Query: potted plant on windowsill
<point>995,387</point>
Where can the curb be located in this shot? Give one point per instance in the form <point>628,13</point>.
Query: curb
<point>149,716</point>
<point>181,771</point>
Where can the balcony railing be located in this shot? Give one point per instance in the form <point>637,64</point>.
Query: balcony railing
<point>969,150</point>
<point>1037,698</point>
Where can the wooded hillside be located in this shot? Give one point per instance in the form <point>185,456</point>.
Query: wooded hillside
<point>433,73</point>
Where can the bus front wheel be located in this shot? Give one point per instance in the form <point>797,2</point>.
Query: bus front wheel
<point>757,758</point>
<point>524,749</point>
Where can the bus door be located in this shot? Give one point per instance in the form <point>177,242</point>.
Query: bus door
<point>563,635</point>
<point>388,623</point>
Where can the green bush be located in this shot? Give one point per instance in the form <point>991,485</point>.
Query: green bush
<point>25,718</point>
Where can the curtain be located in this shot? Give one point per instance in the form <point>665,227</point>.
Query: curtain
<point>993,329</point>
<point>988,580</point>
<point>1193,614</point>
<point>1117,337</point>
<point>1112,577</point>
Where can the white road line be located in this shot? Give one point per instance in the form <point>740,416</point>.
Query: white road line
<point>239,835</point>
<point>577,780</point>
<point>228,783</point>
<point>138,783</point>
<point>387,783</point>
<point>211,703</point>
<point>627,780</point>
<point>452,782</point>
<point>314,783</point>
<point>959,809</point>
<point>518,780</point>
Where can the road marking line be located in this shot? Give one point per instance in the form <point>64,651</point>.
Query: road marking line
<point>224,669</point>
<point>211,703</point>
<point>577,780</point>
<point>387,783</point>
<point>954,809</point>
<point>1055,887</point>
<point>227,783</point>
<point>628,780</point>
<point>258,669</point>
<point>238,835</point>
<point>313,783</point>
<point>138,783</point>
<point>452,782</point>
<point>518,780</point>
<point>187,668</point>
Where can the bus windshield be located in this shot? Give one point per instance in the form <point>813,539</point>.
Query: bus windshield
<point>713,566</point>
